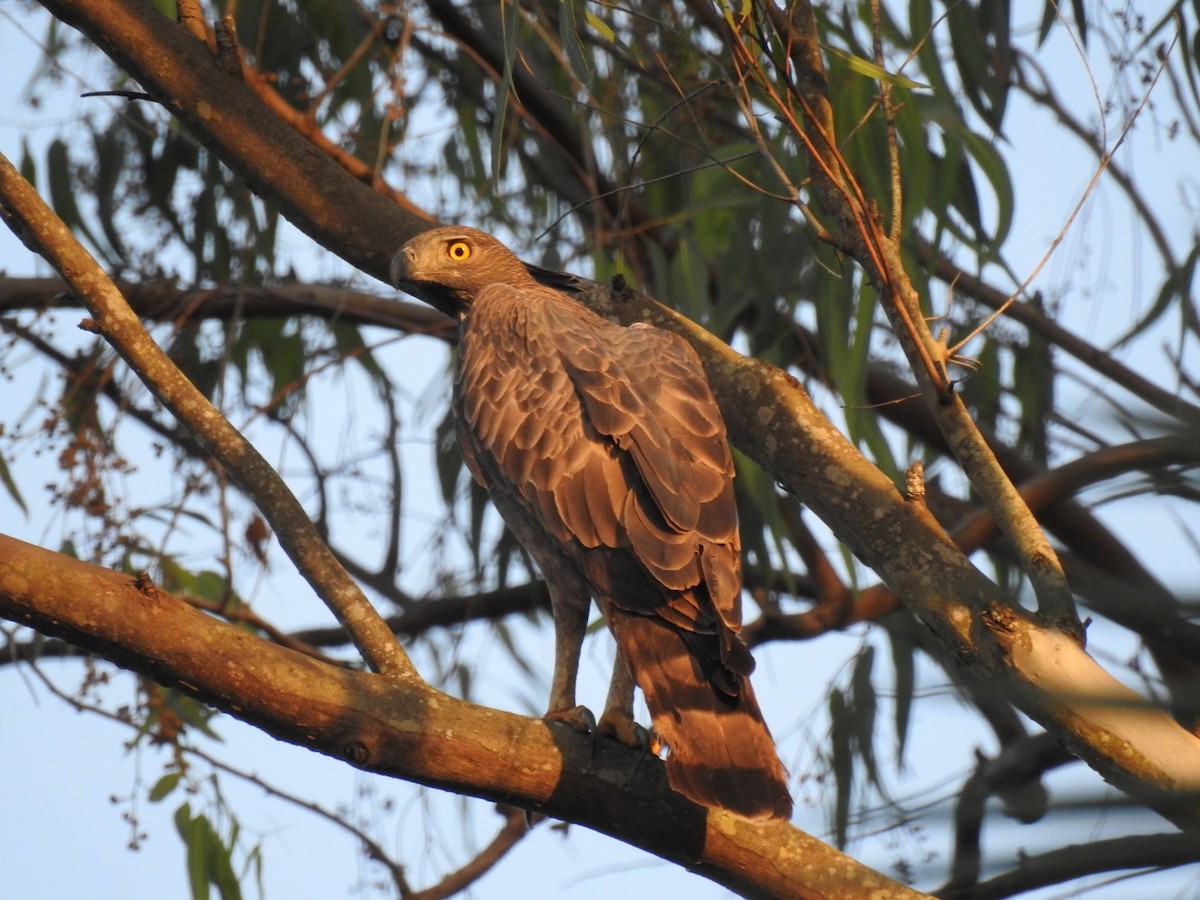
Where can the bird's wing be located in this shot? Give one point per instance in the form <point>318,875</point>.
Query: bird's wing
<point>614,439</point>
<point>522,426</point>
<point>645,389</point>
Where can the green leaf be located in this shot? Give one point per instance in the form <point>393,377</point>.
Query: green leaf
<point>1079,8</point>
<point>62,189</point>
<point>28,164</point>
<point>164,786</point>
<point>572,44</point>
<point>760,512</point>
<point>11,486</point>
<point>865,67</point>
<point>985,155</point>
<point>597,24</point>
<point>741,15</point>
<point>1177,287</point>
<point>1049,16</point>
<point>194,714</point>
<point>905,688</point>
<point>1034,377</point>
<point>842,762</point>
<point>209,859</point>
<point>504,89</point>
<point>972,54</point>
<point>207,584</point>
<point>983,391</point>
<point>863,708</point>
<point>110,158</point>
<point>448,457</point>
<point>921,24</point>
<point>221,869</point>
<point>195,841</point>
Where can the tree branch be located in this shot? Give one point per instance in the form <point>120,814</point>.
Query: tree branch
<point>405,729</point>
<point>165,302</point>
<point>36,224</point>
<point>879,255</point>
<point>334,208</point>
<point>1077,861</point>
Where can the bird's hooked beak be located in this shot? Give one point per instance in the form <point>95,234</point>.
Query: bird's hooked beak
<point>401,270</point>
<point>404,275</point>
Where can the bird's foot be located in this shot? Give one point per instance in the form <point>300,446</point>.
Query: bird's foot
<point>624,730</point>
<point>579,718</point>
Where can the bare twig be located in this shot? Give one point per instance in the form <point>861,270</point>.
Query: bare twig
<point>1101,168</point>
<point>1094,357</point>
<point>510,834</point>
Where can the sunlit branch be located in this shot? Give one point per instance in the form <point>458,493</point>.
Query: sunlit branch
<point>27,214</point>
<point>841,194</point>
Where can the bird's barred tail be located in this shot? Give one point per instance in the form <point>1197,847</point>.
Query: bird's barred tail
<point>721,752</point>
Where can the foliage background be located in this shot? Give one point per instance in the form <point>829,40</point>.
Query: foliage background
<point>1099,265</point>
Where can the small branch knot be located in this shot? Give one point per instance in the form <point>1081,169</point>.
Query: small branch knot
<point>914,482</point>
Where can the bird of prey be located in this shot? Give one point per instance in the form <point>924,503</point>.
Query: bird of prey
<point>604,451</point>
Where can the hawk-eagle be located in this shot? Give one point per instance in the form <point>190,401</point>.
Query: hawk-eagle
<point>603,449</point>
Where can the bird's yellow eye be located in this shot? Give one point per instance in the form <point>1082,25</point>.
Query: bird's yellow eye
<point>459,251</point>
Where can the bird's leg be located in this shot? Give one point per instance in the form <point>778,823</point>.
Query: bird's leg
<point>570,624</point>
<point>617,720</point>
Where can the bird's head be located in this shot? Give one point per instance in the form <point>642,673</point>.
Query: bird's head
<point>455,260</point>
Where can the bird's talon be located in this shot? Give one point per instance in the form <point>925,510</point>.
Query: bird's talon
<point>624,730</point>
<point>578,718</point>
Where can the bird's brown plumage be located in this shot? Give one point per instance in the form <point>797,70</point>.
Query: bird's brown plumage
<point>604,451</point>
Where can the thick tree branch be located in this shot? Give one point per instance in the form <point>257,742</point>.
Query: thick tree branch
<point>405,729</point>
<point>1039,668</point>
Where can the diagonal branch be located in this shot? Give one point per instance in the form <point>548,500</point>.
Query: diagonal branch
<point>879,255</point>
<point>37,225</point>
<point>224,114</point>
